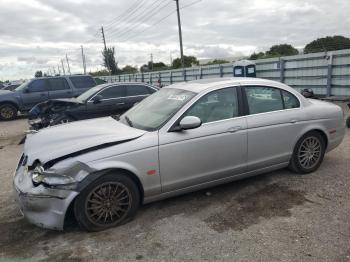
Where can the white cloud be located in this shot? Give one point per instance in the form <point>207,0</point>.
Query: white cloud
<point>36,34</point>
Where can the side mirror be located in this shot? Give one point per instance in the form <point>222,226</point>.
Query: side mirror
<point>97,99</point>
<point>190,122</point>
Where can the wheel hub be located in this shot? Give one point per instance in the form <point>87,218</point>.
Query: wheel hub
<point>108,204</point>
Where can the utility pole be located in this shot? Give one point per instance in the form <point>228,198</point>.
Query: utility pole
<point>151,62</point>
<point>83,59</point>
<point>54,71</point>
<point>103,38</point>
<point>180,33</point>
<point>64,71</point>
<point>68,64</point>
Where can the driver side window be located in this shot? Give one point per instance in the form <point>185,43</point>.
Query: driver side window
<point>217,105</point>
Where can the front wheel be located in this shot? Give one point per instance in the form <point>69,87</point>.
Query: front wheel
<point>109,201</point>
<point>308,153</point>
<point>8,112</point>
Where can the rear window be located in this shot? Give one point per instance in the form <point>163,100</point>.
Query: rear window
<point>82,81</point>
<point>58,84</point>
<point>137,90</point>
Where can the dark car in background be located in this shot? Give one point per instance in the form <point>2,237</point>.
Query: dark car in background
<point>39,90</point>
<point>102,100</point>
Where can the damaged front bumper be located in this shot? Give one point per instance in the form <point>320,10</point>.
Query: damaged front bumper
<point>43,206</point>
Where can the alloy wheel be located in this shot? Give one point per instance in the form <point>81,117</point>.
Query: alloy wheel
<point>6,112</point>
<point>108,204</point>
<point>309,153</point>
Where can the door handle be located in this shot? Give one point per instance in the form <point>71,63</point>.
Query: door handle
<point>234,129</point>
<point>293,121</point>
<point>120,104</point>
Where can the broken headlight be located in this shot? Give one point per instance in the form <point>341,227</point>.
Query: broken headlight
<point>37,175</point>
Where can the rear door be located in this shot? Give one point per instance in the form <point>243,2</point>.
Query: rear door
<point>36,92</point>
<point>59,88</point>
<point>112,102</point>
<point>135,93</point>
<point>81,84</point>
<point>273,125</point>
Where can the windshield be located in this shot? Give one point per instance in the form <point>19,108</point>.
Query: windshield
<point>87,94</point>
<point>155,110</point>
<point>21,87</point>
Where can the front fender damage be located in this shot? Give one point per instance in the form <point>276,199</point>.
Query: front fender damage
<point>68,177</point>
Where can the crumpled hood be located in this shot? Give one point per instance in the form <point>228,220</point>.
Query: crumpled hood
<point>58,141</point>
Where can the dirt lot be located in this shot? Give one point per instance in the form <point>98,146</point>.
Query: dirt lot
<point>279,216</point>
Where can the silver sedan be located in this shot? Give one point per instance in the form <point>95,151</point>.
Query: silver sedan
<point>185,137</point>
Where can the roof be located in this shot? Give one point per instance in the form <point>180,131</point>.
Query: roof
<point>198,86</point>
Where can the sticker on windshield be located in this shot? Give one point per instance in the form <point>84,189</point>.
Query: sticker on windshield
<point>177,97</point>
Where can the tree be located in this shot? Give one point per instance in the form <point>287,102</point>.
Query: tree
<point>282,50</point>
<point>189,61</point>
<point>128,69</point>
<point>275,51</point>
<point>256,56</point>
<point>103,72</point>
<point>38,74</point>
<point>217,62</point>
<point>109,60</point>
<point>158,66</point>
<point>328,43</point>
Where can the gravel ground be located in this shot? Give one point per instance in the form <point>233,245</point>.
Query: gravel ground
<point>278,216</point>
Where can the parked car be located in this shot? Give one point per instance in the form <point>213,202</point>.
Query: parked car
<point>38,90</point>
<point>183,138</point>
<point>101,100</point>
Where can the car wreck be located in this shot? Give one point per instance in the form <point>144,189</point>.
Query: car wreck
<point>185,137</point>
<point>102,100</point>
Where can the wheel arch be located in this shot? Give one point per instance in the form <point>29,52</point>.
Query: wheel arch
<point>314,129</point>
<point>69,216</point>
<point>11,103</point>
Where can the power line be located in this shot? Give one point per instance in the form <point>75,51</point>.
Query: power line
<point>130,23</point>
<point>157,22</point>
<point>135,8</point>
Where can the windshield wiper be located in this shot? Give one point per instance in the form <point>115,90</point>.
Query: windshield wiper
<point>128,121</point>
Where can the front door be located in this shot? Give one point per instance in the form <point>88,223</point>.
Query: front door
<point>215,150</point>
<point>36,92</point>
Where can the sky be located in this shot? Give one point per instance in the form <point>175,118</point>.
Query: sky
<point>37,34</point>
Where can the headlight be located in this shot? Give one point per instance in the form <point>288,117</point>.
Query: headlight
<point>37,175</point>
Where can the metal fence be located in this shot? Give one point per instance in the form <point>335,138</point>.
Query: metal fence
<point>326,73</point>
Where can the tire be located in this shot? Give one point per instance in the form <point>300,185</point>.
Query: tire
<point>308,153</point>
<point>348,122</point>
<point>8,112</point>
<point>94,208</point>
<point>63,119</point>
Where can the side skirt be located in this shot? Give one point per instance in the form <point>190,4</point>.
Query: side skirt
<point>213,183</point>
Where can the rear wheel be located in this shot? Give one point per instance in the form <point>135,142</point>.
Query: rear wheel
<point>8,112</point>
<point>109,201</point>
<point>308,153</point>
